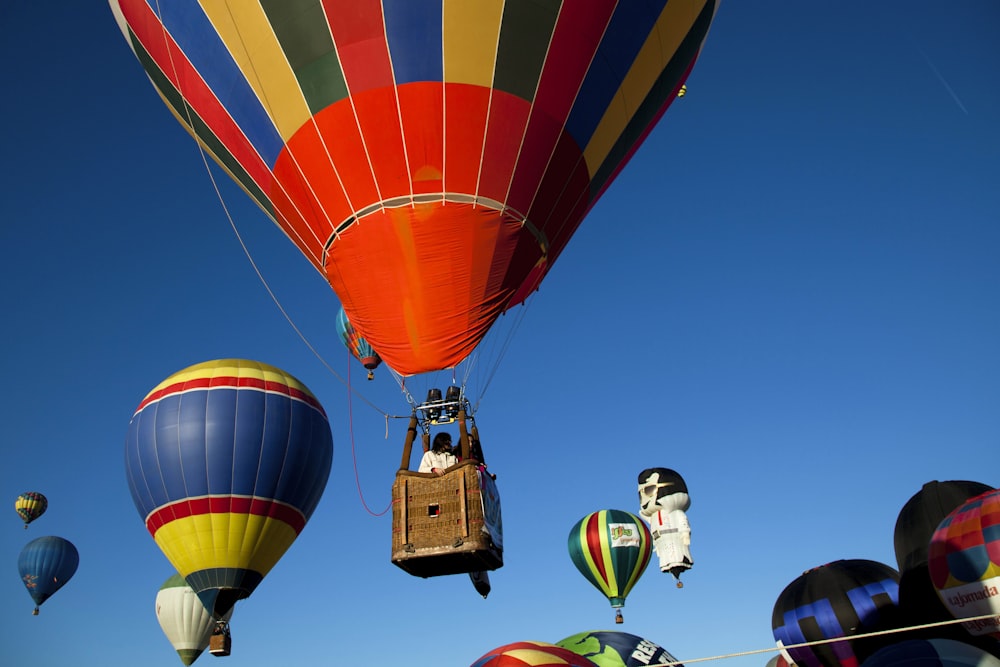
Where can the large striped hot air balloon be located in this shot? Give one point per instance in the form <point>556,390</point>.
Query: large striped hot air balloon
<point>30,505</point>
<point>183,618</point>
<point>226,461</point>
<point>611,549</point>
<point>964,563</point>
<point>430,159</point>
<point>45,565</point>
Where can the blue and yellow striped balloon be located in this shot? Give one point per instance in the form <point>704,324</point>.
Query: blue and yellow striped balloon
<point>611,549</point>
<point>226,461</point>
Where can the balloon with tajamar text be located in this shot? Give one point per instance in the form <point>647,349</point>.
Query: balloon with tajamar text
<point>964,562</point>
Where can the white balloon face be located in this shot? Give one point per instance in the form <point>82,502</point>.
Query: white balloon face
<point>656,495</point>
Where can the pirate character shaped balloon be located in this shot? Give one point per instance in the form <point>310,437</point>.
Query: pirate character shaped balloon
<point>663,499</point>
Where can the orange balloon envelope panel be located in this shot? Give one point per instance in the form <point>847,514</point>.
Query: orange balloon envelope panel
<point>964,562</point>
<point>431,159</point>
<point>532,654</point>
<point>226,461</point>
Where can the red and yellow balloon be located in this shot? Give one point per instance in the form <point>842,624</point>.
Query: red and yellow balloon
<point>431,159</point>
<point>532,654</point>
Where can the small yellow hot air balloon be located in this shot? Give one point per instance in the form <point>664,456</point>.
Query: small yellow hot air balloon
<point>30,505</point>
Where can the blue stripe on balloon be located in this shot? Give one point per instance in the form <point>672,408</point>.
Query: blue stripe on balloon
<point>863,598</point>
<point>413,31</point>
<point>190,28</point>
<point>615,55</point>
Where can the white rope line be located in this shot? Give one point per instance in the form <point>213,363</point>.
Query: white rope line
<point>817,642</point>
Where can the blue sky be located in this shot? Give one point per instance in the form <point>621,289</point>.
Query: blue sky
<point>790,296</point>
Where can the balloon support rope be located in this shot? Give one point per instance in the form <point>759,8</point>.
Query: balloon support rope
<point>354,454</point>
<point>785,647</point>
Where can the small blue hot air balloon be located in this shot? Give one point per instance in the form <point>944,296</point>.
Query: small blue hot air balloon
<point>45,565</point>
<point>357,344</point>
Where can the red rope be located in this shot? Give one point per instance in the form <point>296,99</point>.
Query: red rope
<point>354,456</point>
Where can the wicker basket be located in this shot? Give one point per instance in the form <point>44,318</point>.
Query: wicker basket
<point>220,645</point>
<point>438,522</point>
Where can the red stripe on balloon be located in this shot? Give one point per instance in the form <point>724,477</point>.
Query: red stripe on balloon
<point>231,382</point>
<point>225,505</point>
<point>595,539</point>
<point>176,67</point>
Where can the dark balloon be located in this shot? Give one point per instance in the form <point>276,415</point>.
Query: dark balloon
<point>919,602</point>
<point>931,653</point>
<point>921,515</point>
<point>839,599</point>
<point>45,565</point>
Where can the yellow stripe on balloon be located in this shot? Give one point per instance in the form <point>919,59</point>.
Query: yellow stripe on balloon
<point>671,27</point>
<point>206,541</point>
<point>531,656</point>
<point>249,38</point>
<point>232,368</point>
<point>471,32</point>
<point>607,584</point>
<point>609,566</point>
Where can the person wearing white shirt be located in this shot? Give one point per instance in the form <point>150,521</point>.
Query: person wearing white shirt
<point>439,457</point>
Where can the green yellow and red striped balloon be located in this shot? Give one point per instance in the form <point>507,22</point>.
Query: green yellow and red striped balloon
<point>611,549</point>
